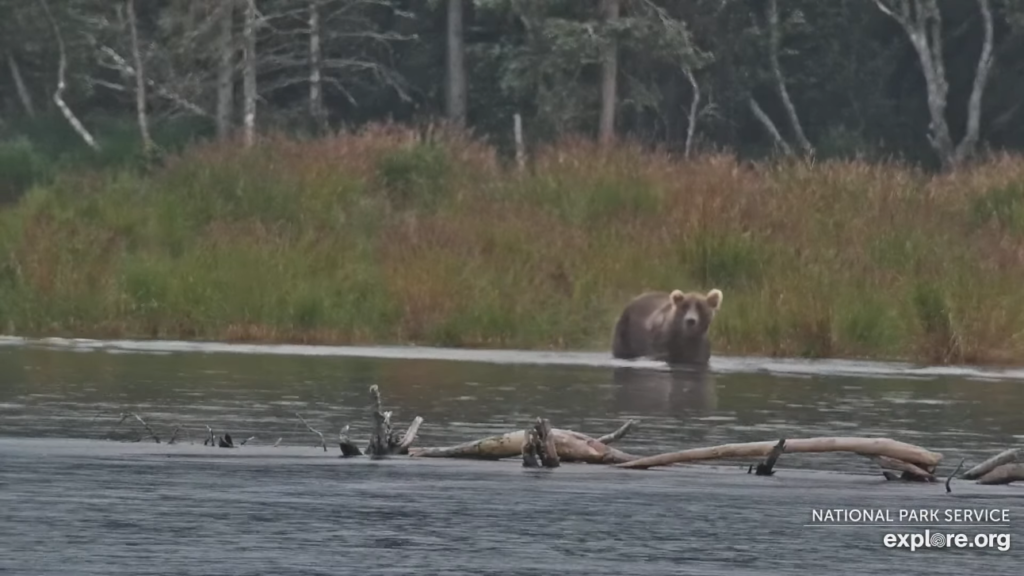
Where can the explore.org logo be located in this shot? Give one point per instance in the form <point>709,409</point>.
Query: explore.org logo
<point>929,539</point>
<point>940,528</point>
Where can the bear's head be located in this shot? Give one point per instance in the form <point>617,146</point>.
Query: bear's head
<point>692,312</point>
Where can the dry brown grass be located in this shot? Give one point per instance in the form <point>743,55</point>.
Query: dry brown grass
<point>394,236</point>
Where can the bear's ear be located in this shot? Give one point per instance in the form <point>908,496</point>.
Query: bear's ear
<point>677,297</point>
<point>714,299</point>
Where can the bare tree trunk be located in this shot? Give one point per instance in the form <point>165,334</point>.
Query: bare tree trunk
<point>249,73</point>
<point>609,78</point>
<point>19,84</point>
<point>316,95</point>
<point>226,68</point>
<point>456,70</point>
<point>517,134</point>
<point>780,82</point>
<point>58,94</point>
<point>140,78</point>
<point>691,125</point>
<point>921,20</point>
<point>769,126</point>
<point>970,140</point>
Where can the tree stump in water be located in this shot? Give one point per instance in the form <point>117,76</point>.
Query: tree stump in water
<point>766,468</point>
<point>539,446</point>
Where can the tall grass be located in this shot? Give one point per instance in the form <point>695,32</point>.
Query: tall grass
<point>385,236</point>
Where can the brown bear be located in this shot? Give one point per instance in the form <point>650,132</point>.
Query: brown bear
<point>667,327</point>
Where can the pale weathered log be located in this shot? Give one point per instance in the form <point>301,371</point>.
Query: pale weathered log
<point>571,447</point>
<point>864,446</point>
<point>910,471</point>
<point>1004,474</point>
<point>1004,457</point>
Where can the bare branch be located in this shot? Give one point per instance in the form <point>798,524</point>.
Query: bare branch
<point>967,144</point>
<point>249,74</point>
<point>19,85</point>
<point>58,94</point>
<point>780,82</point>
<point>122,65</point>
<point>323,442</point>
<point>140,78</point>
<point>691,125</point>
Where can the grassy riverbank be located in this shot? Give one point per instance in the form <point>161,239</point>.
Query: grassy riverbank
<point>376,238</point>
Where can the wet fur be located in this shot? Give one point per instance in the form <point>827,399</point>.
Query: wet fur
<point>651,326</point>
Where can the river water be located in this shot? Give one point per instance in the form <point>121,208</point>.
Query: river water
<point>80,494</point>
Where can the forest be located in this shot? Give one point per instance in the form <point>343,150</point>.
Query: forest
<point>510,172</point>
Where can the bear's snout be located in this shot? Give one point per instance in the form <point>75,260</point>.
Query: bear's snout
<point>691,322</point>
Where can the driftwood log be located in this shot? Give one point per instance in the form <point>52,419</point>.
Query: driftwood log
<point>1004,474</point>
<point>570,446</point>
<point>542,445</point>
<point>1004,457</point>
<point>892,449</point>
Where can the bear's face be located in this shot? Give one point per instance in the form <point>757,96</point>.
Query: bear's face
<point>692,313</point>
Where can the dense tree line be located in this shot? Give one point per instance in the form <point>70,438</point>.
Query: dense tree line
<point>932,81</point>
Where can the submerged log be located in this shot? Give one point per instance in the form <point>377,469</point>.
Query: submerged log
<point>864,446</point>
<point>1004,457</point>
<point>1003,474</point>
<point>910,471</point>
<point>570,446</point>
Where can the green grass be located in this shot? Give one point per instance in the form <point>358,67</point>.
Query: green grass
<point>384,237</point>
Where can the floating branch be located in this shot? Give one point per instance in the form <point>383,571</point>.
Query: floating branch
<point>174,433</point>
<point>323,442</point>
<point>224,441</point>
<point>864,446</point>
<point>950,477</point>
<point>126,415</point>
<point>1004,457</point>
<point>618,434</point>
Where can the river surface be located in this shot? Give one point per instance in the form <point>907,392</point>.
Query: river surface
<point>81,494</point>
